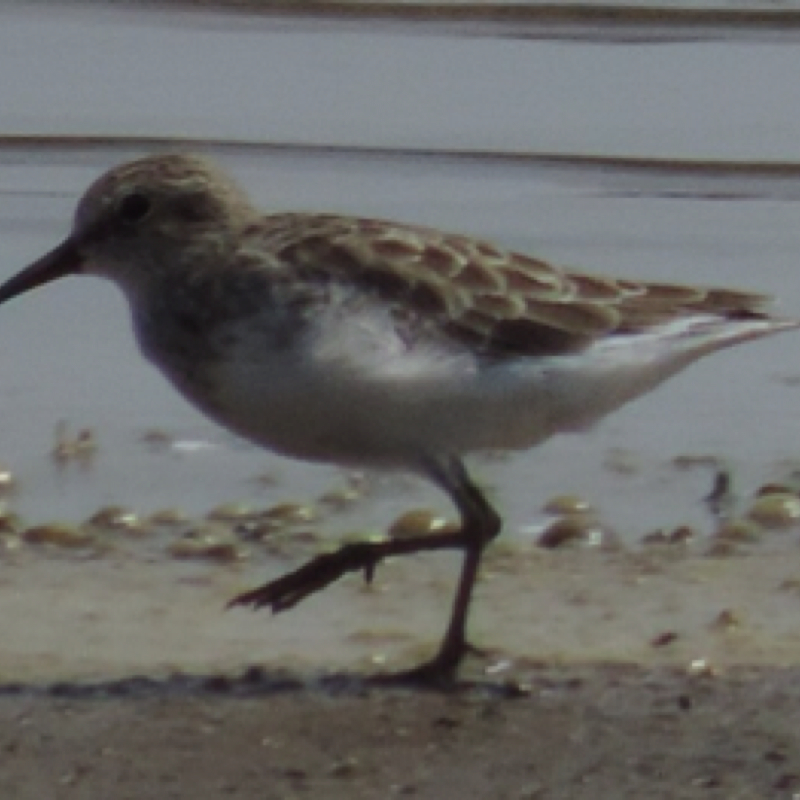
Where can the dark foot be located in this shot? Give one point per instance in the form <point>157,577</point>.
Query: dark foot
<point>315,575</point>
<point>430,675</point>
<point>441,672</point>
<point>324,570</point>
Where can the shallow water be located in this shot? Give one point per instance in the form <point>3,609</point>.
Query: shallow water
<point>381,96</point>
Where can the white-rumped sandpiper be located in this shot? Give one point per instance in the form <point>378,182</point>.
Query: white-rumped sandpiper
<point>372,343</point>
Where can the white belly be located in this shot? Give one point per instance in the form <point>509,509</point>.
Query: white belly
<point>354,391</point>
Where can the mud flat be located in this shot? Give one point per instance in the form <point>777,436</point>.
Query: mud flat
<point>655,673</point>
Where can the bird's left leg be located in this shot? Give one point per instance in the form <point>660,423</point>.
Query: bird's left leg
<point>480,524</point>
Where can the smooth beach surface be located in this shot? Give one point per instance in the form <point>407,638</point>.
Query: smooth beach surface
<point>656,658</point>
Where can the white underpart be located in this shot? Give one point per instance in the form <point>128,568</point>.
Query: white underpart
<point>355,392</point>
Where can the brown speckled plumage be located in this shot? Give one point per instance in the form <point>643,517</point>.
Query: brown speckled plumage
<point>500,301</point>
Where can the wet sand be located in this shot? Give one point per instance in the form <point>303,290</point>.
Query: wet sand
<point>654,673</point>
<point>600,732</point>
<point>96,618</point>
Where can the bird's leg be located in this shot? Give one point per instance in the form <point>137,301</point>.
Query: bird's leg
<point>479,525</point>
<point>287,591</point>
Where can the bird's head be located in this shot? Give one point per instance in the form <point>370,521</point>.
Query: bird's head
<point>142,220</point>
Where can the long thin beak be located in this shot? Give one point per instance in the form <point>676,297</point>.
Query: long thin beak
<point>64,260</point>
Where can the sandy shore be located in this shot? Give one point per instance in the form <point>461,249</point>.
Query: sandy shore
<point>581,733</point>
<point>656,674</point>
<point>93,618</point>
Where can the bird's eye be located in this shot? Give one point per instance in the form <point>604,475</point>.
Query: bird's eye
<point>134,207</point>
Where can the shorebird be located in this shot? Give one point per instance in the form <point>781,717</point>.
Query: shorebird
<point>378,344</point>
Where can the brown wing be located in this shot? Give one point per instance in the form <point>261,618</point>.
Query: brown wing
<point>504,302</point>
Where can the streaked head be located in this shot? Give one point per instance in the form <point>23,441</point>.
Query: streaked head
<point>142,218</point>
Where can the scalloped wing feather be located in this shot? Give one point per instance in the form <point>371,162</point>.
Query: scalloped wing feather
<point>503,303</point>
